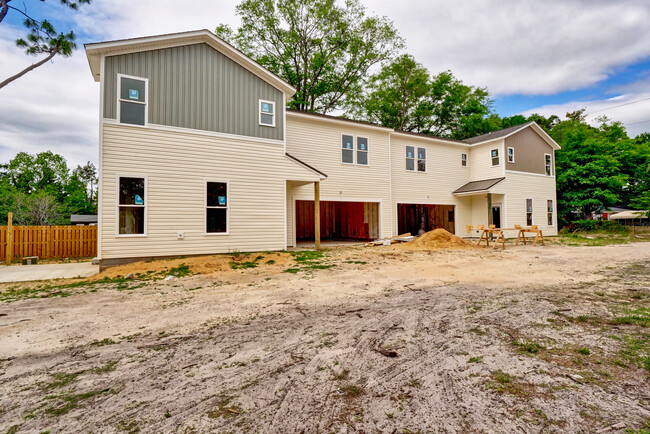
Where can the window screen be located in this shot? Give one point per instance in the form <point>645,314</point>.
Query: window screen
<point>362,151</point>
<point>347,151</point>
<point>133,101</point>
<point>131,207</point>
<point>216,207</point>
<point>410,158</point>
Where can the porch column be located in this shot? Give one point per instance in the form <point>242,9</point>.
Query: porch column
<point>317,214</point>
<point>489,203</point>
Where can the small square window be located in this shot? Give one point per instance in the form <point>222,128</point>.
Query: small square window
<point>267,113</point>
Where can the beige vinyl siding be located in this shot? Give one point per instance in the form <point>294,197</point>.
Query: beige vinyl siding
<point>480,161</point>
<point>520,187</point>
<point>176,166</point>
<point>196,87</point>
<point>529,151</point>
<point>317,142</point>
<point>444,174</point>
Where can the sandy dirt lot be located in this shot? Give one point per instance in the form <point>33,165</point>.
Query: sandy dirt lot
<point>384,339</point>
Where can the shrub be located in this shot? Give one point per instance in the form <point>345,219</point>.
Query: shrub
<point>597,226</point>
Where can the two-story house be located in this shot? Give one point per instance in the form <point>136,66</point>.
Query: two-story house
<point>198,155</point>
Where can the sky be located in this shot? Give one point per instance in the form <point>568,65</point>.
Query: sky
<point>546,57</point>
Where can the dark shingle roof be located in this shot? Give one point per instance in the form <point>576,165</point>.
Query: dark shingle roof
<point>482,185</point>
<point>495,134</point>
<point>78,219</point>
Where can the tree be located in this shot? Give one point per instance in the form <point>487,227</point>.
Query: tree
<point>42,37</point>
<point>323,49</point>
<point>403,95</point>
<point>88,175</point>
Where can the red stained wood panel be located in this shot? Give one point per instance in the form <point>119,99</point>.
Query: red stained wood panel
<point>339,220</point>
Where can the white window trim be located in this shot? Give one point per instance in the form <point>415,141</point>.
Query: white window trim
<point>513,154</point>
<point>552,212</point>
<point>356,150</point>
<point>532,212</point>
<point>492,158</point>
<point>259,109</point>
<point>145,103</point>
<point>205,207</point>
<point>466,160</point>
<point>551,171</point>
<point>117,207</point>
<point>415,159</point>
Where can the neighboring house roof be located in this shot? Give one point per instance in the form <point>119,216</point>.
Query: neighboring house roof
<point>631,214</point>
<point>77,219</point>
<point>307,166</point>
<point>506,132</point>
<point>95,51</point>
<point>478,186</point>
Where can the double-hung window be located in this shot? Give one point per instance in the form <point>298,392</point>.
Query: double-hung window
<point>347,151</point>
<point>463,160</point>
<point>549,212</point>
<point>416,161</point>
<point>132,100</point>
<point>216,207</point>
<point>132,206</point>
<point>511,155</point>
<point>529,212</point>
<point>267,113</point>
<point>494,153</point>
<point>548,164</point>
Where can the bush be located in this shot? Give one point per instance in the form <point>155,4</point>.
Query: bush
<point>597,226</point>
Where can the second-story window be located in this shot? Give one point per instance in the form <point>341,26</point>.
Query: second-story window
<point>347,149</point>
<point>548,163</point>
<point>362,151</point>
<point>463,160</point>
<point>267,113</point>
<point>422,160</point>
<point>132,101</point>
<point>412,159</point>
<point>494,154</point>
<point>511,155</point>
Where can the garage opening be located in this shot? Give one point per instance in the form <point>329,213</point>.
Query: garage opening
<point>420,218</point>
<point>339,221</point>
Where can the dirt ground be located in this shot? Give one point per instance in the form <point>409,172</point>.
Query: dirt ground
<point>383,339</point>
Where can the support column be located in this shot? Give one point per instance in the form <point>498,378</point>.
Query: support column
<point>489,210</point>
<point>317,215</point>
<point>10,239</point>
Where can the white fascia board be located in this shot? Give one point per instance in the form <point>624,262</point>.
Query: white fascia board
<point>428,139</point>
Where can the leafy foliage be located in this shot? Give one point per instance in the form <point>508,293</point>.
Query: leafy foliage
<point>321,48</point>
<point>40,190</point>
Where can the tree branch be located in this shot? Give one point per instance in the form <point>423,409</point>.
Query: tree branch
<point>29,68</point>
<point>4,7</point>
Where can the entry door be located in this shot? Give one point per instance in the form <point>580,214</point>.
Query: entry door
<point>496,215</point>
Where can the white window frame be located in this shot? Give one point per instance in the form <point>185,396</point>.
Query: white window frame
<point>205,206</point>
<point>117,207</point>
<point>417,159</point>
<point>550,165</point>
<point>464,162</point>
<point>259,109</point>
<point>356,150</point>
<point>145,103</point>
<point>492,158</point>
<point>511,155</point>
<point>532,211</point>
<point>551,212</point>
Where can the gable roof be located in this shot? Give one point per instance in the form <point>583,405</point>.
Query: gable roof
<point>476,186</point>
<point>506,132</point>
<point>95,51</point>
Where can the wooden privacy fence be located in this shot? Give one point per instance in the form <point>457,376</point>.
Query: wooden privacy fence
<point>48,241</point>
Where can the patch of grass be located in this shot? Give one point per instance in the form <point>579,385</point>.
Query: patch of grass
<point>180,271</point>
<point>225,408</point>
<point>108,367</point>
<point>270,262</point>
<point>292,270</point>
<point>584,351</point>
<point>70,402</point>
<point>527,346</point>
<point>130,427</point>
<point>342,374</point>
<point>636,350</point>
<point>13,429</point>
<point>103,342</point>
<point>242,265</point>
<point>476,359</point>
<point>502,382</point>
<point>638,316</point>
<point>61,379</point>
<point>352,391</point>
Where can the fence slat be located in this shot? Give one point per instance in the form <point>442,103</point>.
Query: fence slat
<point>48,242</point>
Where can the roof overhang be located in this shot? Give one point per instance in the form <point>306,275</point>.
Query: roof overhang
<point>429,138</point>
<point>320,174</point>
<point>539,130</point>
<point>95,52</point>
<point>476,188</point>
<point>333,119</point>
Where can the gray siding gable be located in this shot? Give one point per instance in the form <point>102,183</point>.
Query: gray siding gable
<point>195,86</point>
<point>530,149</point>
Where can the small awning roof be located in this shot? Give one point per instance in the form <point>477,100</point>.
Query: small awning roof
<point>475,187</point>
<point>631,214</point>
<point>77,219</point>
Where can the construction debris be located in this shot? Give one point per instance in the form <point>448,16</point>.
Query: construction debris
<point>403,238</point>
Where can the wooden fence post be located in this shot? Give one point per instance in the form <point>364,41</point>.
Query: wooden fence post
<point>10,238</point>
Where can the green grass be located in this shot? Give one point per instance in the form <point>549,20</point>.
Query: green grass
<point>70,402</point>
<point>103,342</point>
<point>637,316</point>
<point>584,351</point>
<point>595,239</point>
<point>61,379</point>
<point>527,346</point>
<point>352,391</point>
<point>475,359</point>
<point>308,260</point>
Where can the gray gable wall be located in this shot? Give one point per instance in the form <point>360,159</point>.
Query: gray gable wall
<point>197,87</point>
<point>529,152</point>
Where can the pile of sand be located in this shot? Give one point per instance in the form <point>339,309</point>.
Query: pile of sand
<point>437,239</point>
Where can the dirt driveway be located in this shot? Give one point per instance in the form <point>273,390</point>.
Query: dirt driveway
<point>551,339</point>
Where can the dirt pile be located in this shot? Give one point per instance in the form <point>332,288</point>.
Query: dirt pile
<point>437,239</point>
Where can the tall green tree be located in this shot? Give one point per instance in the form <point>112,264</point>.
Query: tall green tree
<point>321,47</point>
<point>42,37</point>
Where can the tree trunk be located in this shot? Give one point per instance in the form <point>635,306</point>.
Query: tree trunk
<point>29,68</point>
<point>4,7</point>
